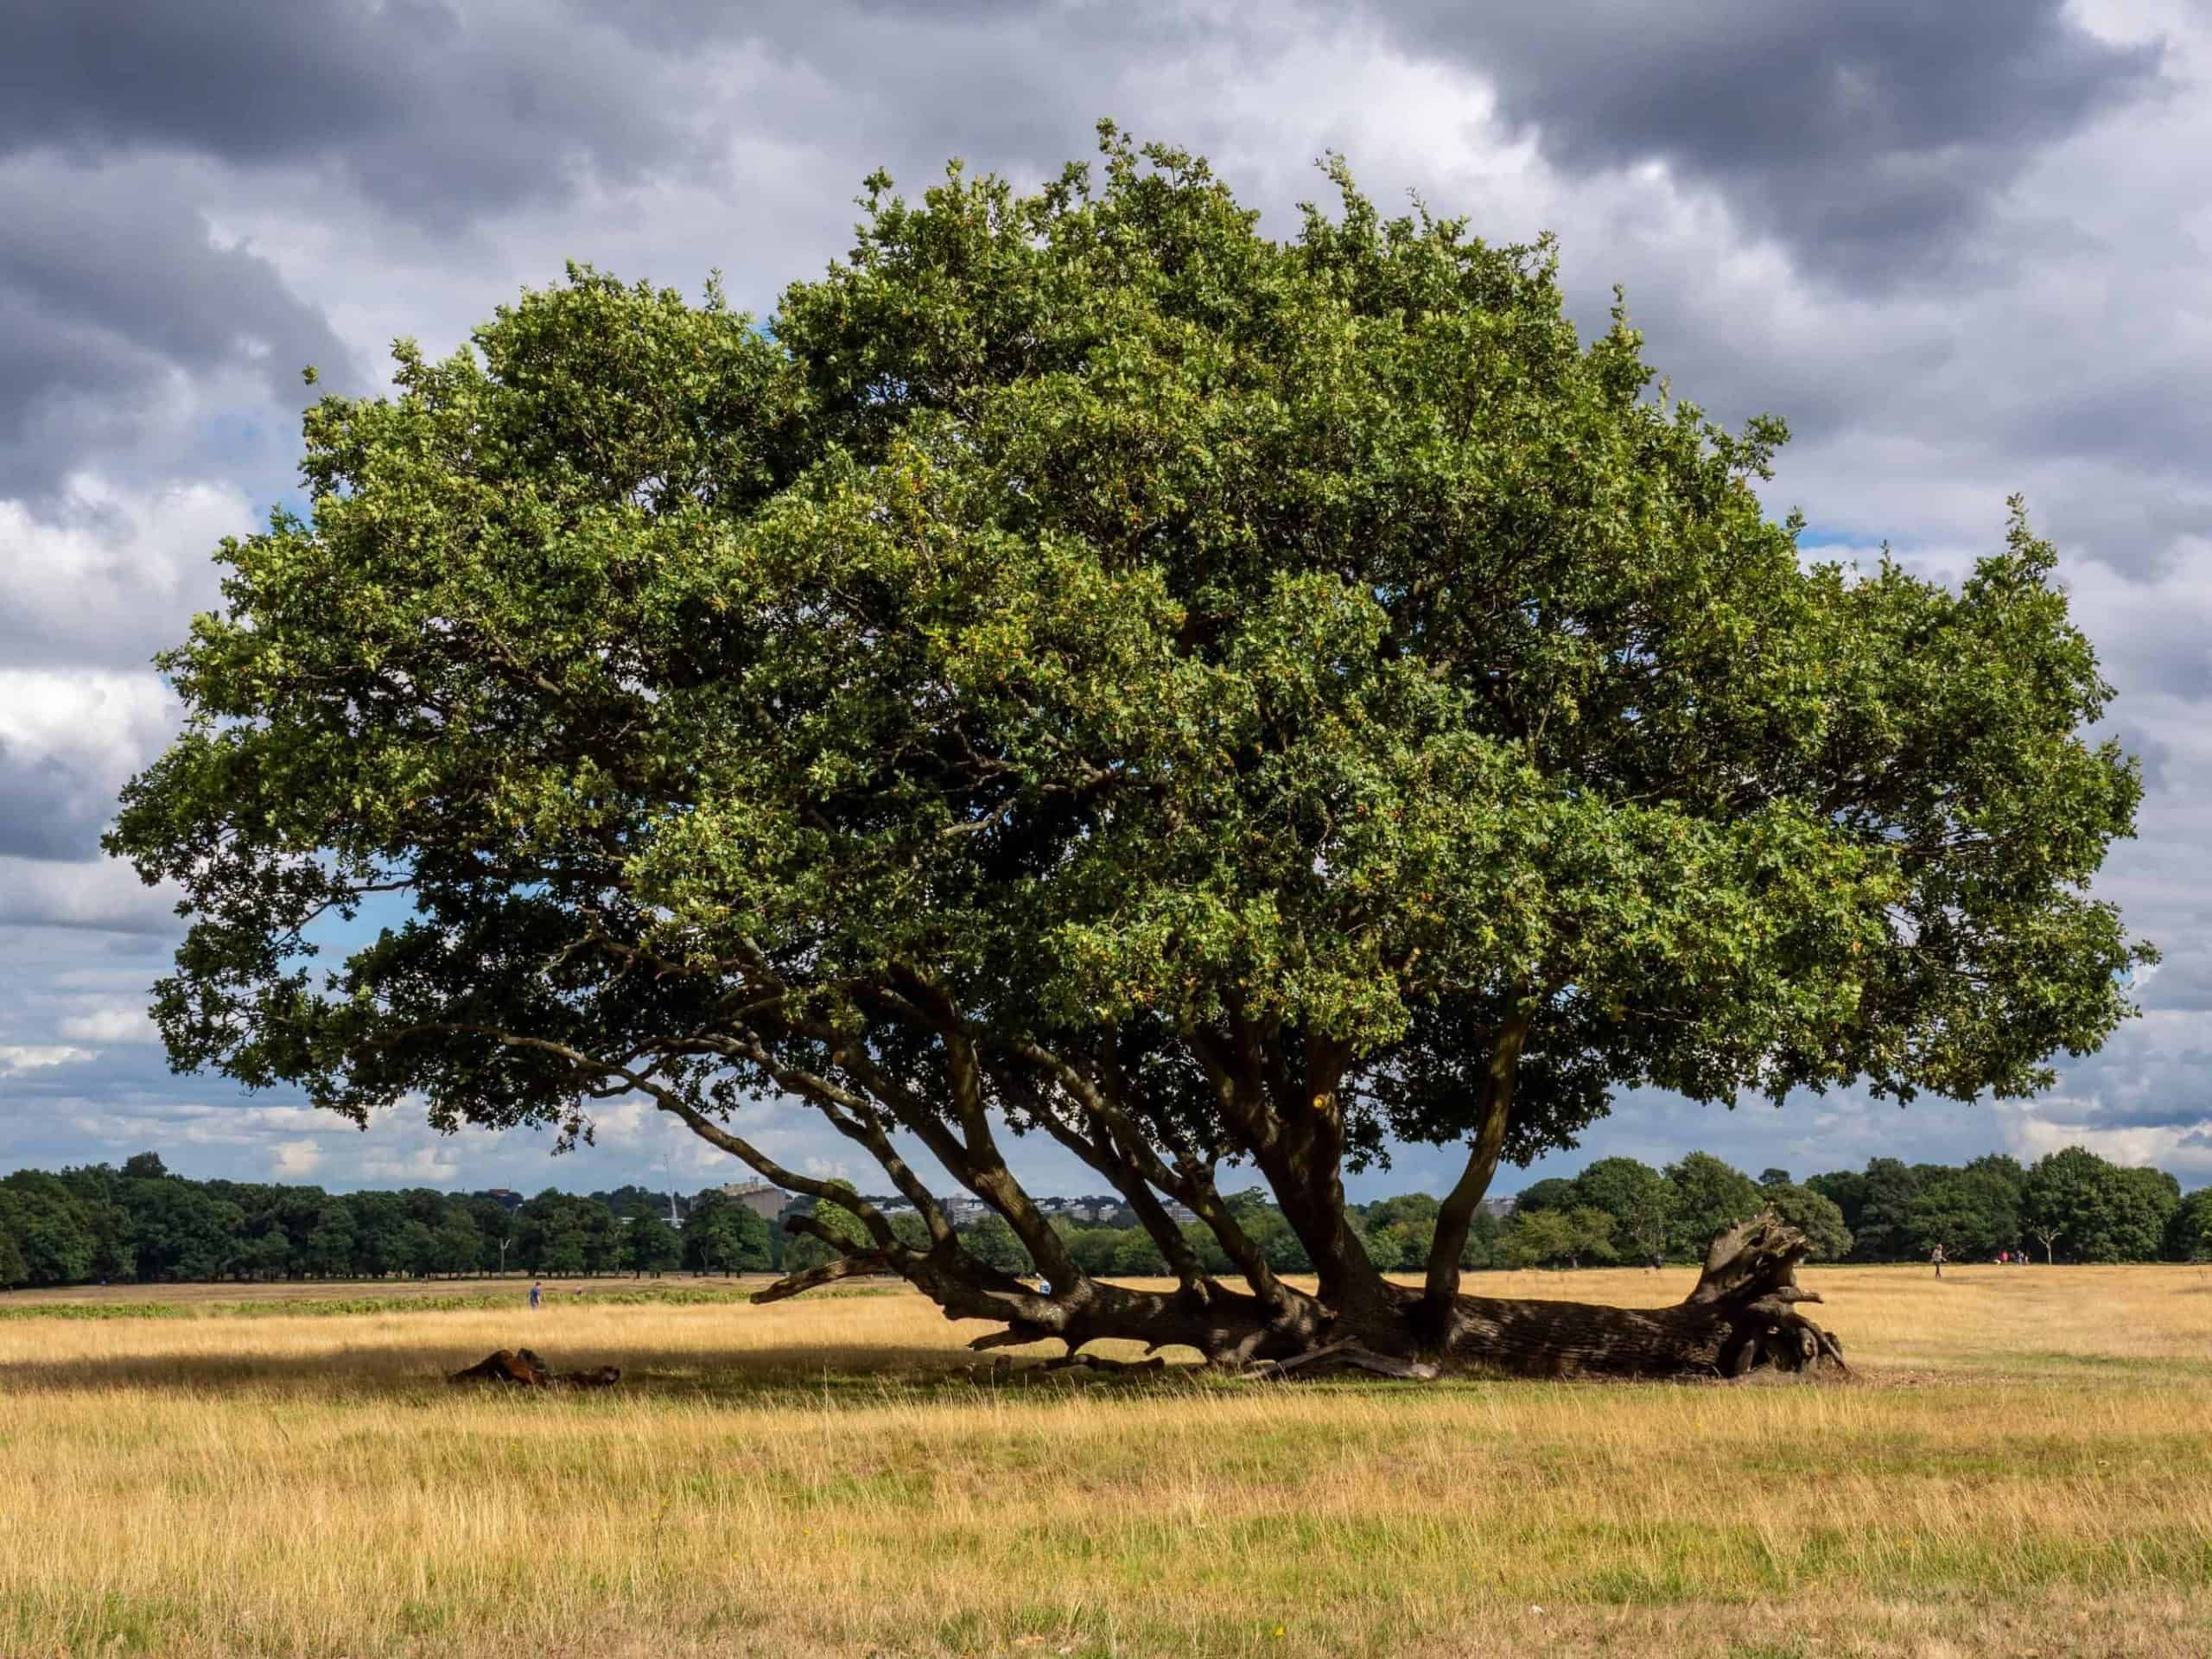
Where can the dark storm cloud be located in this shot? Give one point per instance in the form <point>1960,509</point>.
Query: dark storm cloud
<point>433,115</point>
<point>2182,982</point>
<point>51,805</point>
<point>1867,135</point>
<point>109,283</point>
<point>2125,1091</point>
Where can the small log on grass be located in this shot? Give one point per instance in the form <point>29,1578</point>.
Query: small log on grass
<point>521,1368</point>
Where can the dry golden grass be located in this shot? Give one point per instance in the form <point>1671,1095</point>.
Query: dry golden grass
<point>2022,1465</point>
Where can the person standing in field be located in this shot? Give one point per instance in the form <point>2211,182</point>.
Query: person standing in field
<point>537,1291</point>
<point>1935,1255</point>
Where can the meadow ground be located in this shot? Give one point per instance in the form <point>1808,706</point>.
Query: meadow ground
<point>2022,1465</point>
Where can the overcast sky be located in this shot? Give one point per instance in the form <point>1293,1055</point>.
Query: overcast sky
<point>1962,247</point>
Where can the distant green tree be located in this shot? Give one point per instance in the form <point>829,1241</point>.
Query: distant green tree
<point>559,1233</point>
<point>418,1247</point>
<point>1559,1237</point>
<point>330,1246</point>
<point>1411,1209</point>
<point>991,1242</point>
<point>2000,1166</point>
<point>144,1167</point>
<point>495,1229</point>
<point>633,1200</point>
<point>2188,1231</point>
<point>14,1270</point>
<point>1092,1249</point>
<point>260,1253</point>
<point>1398,1232</point>
<point>378,1246</point>
<point>1711,1196</point>
<point>1136,1256</point>
<point>1972,1213</point>
<point>182,1232</point>
<point>2089,1210</point>
<point>457,1246</point>
<point>1847,1189</point>
<point>649,1244</point>
<point>1882,1229</point>
<point>1813,1214</point>
<point>51,1229</point>
<point>1641,1200</point>
<point>1553,1193</point>
<point>722,1236</point>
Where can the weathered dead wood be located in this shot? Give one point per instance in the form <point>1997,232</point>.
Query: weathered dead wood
<point>1739,1317</point>
<point>1344,1355</point>
<point>1099,1363</point>
<point>520,1368</point>
<point>1273,1368</point>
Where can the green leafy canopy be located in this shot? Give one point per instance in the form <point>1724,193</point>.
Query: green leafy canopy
<point>1131,632</point>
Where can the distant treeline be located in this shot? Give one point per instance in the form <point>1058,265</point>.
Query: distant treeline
<point>139,1224</point>
<point>142,1224</point>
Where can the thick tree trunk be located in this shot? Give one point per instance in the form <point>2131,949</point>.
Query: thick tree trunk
<point>1741,1317</point>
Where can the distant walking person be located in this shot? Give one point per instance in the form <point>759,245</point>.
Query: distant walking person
<point>537,1291</point>
<point>1935,1255</point>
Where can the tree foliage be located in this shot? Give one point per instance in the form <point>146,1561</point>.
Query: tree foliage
<point>1710,1197</point>
<point>2189,1233</point>
<point>2095,1211</point>
<point>1558,1238</point>
<point>1641,1200</point>
<point>1973,1212</point>
<point>649,1245</point>
<point>722,1236</point>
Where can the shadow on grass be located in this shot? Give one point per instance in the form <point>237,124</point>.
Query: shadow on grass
<point>816,1373</point>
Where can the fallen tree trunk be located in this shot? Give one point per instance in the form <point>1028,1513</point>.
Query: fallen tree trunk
<point>1741,1317</point>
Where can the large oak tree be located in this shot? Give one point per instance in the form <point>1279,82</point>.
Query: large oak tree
<point>1084,669</point>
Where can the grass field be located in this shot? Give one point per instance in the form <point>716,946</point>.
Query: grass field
<point>2022,1464</point>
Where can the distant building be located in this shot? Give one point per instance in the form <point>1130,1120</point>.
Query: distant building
<point>1499,1208</point>
<point>763,1200</point>
<point>505,1197</point>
